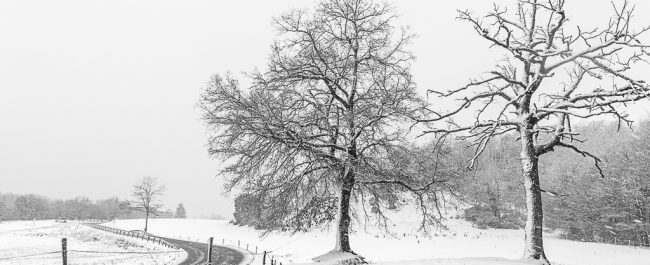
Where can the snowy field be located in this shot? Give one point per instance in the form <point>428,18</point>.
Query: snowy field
<point>26,242</point>
<point>462,244</point>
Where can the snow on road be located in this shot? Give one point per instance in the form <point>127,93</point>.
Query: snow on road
<point>462,244</point>
<point>21,239</point>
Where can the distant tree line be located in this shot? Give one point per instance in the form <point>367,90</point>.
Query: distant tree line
<point>580,203</point>
<point>31,206</point>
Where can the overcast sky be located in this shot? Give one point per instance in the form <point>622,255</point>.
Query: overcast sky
<point>95,94</point>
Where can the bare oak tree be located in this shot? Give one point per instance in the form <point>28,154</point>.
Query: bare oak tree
<point>324,118</point>
<point>552,74</point>
<point>147,192</point>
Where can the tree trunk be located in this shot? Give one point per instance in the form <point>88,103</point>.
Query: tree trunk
<point>343,231</point>
<point>534,249</point>
<point>146,221</point>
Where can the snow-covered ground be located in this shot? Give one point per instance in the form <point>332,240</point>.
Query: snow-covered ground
<point>462,244</point>
<point>26,242</point>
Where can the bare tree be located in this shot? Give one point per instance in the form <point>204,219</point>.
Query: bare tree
<point>324,118</point>
<point>551,75</point>
<point>147,192</point>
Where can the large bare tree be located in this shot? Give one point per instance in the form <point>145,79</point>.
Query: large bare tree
<point>324,118</point>
<point>552,74</point>
<point>147,192</point>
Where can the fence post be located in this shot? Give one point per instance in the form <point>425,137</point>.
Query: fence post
<point>64,250</point>
<point>264,258</point>
<point>246,246</point>
<point>210,251</point>
<point>255,250</point>
<point>238,243</point>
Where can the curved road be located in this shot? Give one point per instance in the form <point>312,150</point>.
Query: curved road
<point>197,253</point>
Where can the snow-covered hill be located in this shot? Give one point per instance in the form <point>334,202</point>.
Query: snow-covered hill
<point>462,244</point>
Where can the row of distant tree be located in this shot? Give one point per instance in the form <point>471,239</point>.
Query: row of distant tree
<point>579,202</point>
<point>31,206</point>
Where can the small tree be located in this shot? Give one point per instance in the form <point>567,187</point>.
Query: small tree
<point>180,211</point>
<point>147,192</point>
<point>551,76</point>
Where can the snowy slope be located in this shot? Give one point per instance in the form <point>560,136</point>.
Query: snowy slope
<point>462,243</point>
<point>25,243</point>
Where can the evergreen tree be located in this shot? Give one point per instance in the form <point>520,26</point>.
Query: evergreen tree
<point>180,211</point>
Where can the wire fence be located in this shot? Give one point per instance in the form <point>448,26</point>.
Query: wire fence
<point>133,234</point>
<point>267,257</point>
<point>31,255</point>
<point>89,251</point>
<point>252,250</point>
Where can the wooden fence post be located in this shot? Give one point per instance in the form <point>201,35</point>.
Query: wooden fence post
<point>210,251</point>
<point>64,250</point>
<point>264,258</point>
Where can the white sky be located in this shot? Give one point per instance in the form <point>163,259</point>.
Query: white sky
<point>94,94</point>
